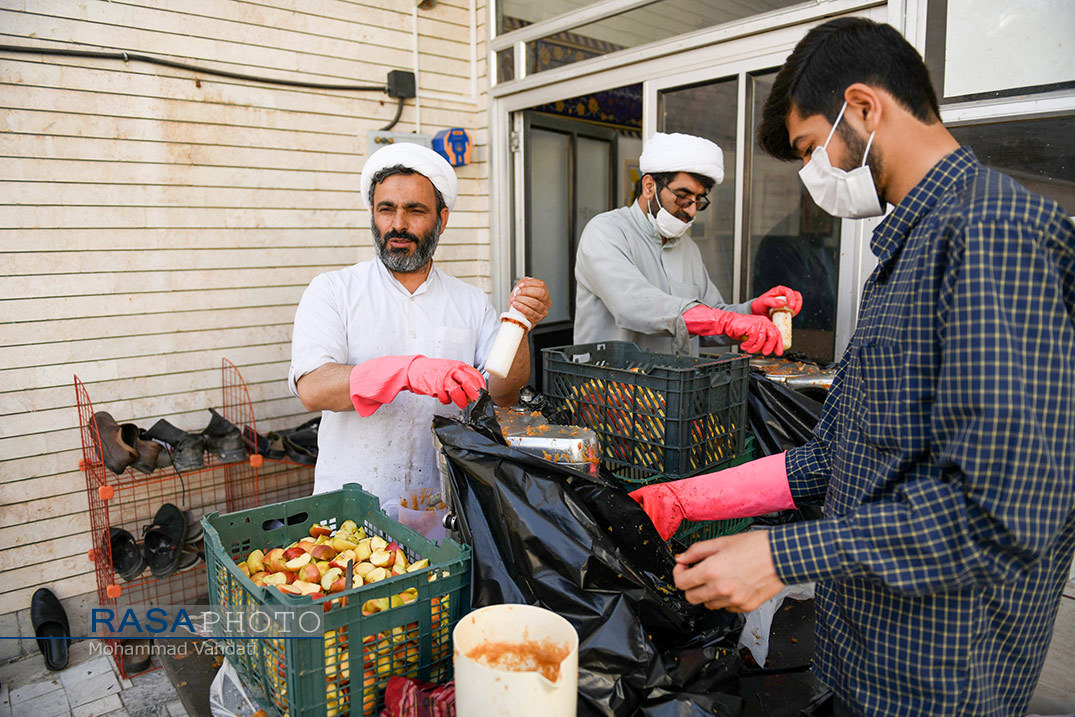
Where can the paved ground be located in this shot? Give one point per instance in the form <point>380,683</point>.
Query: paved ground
<point>91,685</point>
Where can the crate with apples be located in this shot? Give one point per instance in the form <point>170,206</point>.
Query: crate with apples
<point>388,597</point>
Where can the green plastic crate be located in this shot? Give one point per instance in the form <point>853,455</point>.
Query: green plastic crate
<point>654,414</point>
<point>346,673</point>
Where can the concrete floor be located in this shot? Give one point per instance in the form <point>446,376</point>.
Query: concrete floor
<point>91,685</point>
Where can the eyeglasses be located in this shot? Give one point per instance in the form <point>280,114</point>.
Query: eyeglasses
<point>684,198</point>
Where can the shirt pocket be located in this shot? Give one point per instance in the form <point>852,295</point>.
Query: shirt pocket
<point>881,413</point>
<point>685,290</point>
<point>456,343</point>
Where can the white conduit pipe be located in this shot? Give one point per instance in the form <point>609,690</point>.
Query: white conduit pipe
<point>417,83</point>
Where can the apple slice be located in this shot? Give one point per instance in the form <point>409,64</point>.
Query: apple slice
<point>348,526</point>
<point>383,559</point>
<point>329,577</point>
<point>398,569</point>
<point>259,578</point>
<point>378,543</point>
<point>401,558</point>
<point>292,553</point>
<point>275,560</point>
<point>309,573</point>
<point>323,552</point>
<point>418,565</point>
<point>245,568</point>
<point>364,568</point>
<point>409,595</point>
<point>317,530</point>
<point>340,544</point>
<point>275,579</point>
<point>306,587</point>
<point>374,575</point>
<point>289,589</point>
<point>375,605</point>
<point>298,562</point>
<point>255,561</point>
<point>363,549</point>
<point>356,581</point>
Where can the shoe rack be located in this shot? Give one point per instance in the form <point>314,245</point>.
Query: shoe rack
<point>130,501</point>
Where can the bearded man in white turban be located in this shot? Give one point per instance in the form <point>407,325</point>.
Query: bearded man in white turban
<point>379,347</point>
<point>640,276</point>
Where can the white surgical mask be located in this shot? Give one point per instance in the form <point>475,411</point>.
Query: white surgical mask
<point>837,191</point>
<point>667,225</point>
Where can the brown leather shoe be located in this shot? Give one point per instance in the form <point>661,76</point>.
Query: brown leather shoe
<point>151,455</point>
<point>116,452</point>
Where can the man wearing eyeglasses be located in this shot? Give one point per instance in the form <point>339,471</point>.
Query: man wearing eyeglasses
<point>641,278</point>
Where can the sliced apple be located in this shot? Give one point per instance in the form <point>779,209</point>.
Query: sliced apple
<point>364,568</point>
<point>401,558</point>
<point>348,526</point>
<point>275,579</point>
<point>329,577</point>
<point>363,550</point>
<point>383,559</point>
<point>306,587</point>
<point>375,575</point>
<point>293,552</point>
<point>378,543</point>
<point>259,578</point>
<point>356,582</point>
<point>255,561</point>
<point>340,544</point>
<point>317,530</point>
<point>322,566</point>
<point>375,605</point>
<point>289,589</point>
<point>275,560</point>
<point>395,601</point>
<point>309,573</point>
<point>245,568</point>
<point>323,552</point>
<point>418,565</point>
<point>298,562</point>
<point>398,569</point>
<point>409,595</point>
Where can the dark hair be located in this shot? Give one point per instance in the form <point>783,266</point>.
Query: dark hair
<point>400,169</point>
<point>664,178</point>
<point>831,58</point>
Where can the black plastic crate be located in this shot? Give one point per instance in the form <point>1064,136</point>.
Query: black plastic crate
<point>654,414</point>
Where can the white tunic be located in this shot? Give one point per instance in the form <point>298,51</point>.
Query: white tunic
<point>362,312</point>
<point>633,287</point>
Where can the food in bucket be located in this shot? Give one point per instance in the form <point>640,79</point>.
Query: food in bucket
<point>542,656</point>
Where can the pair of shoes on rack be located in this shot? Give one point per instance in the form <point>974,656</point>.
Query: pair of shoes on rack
<point>297,444</point>
<point>221,438</point>
<point>124,444</point>
<point>129,560</point>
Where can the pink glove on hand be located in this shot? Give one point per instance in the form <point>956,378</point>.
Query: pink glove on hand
<point>777,297</point>
<point>760,333</point>
<point>744,491</point>
<point>378,381</point>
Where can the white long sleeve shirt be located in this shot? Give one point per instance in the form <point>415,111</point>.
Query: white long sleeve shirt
<point>362,312</point>
<point>634,287</point>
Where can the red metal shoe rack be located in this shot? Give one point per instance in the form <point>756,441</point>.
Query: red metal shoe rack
<point>130,501</point>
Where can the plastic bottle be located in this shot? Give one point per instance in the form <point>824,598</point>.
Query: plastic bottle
<point>513,326</point>
<point>782,318</point>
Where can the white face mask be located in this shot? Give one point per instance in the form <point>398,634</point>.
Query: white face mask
<point>837,191</point>
<point>667,225</point>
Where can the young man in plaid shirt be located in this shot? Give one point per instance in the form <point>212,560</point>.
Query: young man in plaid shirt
<point>945,453</point>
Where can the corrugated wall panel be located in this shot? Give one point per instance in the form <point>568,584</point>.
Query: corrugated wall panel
<point>154,220</point>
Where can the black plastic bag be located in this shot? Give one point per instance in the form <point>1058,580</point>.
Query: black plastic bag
<point>544,534</point>
<point>780,418</point>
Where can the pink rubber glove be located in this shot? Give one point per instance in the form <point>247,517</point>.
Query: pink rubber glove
<point>378,381</point>
<point>777,298</point>
<point>760,333</point>
<point>744,491</point>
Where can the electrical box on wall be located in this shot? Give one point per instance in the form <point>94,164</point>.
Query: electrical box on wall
<point>380,138</point>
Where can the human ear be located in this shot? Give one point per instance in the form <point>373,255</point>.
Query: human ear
<point>864,106</point>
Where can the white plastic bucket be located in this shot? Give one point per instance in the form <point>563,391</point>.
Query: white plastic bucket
<point>489,639</point>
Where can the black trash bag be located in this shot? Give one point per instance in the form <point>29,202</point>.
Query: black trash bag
<point>544,534</point>
<point>780,418</point>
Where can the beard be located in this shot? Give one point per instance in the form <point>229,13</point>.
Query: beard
<point>406,260</point>
<point>856,147</point>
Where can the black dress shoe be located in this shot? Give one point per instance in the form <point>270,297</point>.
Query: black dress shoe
<point>223,439</point>
<point>187,448</point>
<point>50,626</point>
<point>163,540</point>
<point>127,558</point>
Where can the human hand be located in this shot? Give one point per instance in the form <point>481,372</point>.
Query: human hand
<point>758,333</point>
<point>735,573</point>
<point>531,297</point>
<point>449,381</point>
<point>777,297</point>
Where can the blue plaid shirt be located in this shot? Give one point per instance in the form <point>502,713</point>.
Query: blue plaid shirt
<point>946,456</point>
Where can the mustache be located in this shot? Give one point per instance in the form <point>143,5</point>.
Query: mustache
<point>394,234</point>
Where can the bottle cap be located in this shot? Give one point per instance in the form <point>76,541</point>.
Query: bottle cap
<point>513,314</point>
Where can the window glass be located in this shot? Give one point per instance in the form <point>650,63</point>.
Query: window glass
<point>791,242</point>
<point>1039,154</point>
<point>658,21</point>
<point>709,110</point>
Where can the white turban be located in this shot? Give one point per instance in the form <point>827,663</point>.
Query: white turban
<point>682,153</point>
<point>425,161</point>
